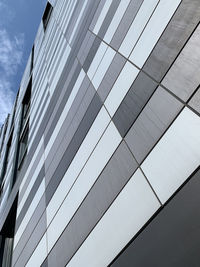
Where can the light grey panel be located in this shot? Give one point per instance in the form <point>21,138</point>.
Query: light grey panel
<point>125,23</point>
<point>155,118</point>
<point>183,78</point>
<point>111,181</point>
<point>30,228</point>
<point>136,98</point>
<point>195,101</point>
<point>173,39</point>
<point>111,76</point>
<point>32,242</point>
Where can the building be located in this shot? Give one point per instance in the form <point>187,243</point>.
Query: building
<point>100,155</point>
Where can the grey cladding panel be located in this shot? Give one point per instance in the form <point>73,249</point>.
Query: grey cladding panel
<point>30,198</point>
<point>136,98</point>
<point>63,133</point>
<point>157,115</point>
<point>32,242</point>
<point>30,228</point>
<point>173,39</point>
<point>183,77</point>
<point>56,116</point>
<point>195,101</point>
<point>108,18</point>
<point>172,239</point>
<point>74,145</point>
<point>97,14</point>
<point>73,20</point>
<point>110,182</point>
<point>125,23</point>
<point>85,47</point>
<point>53,159</point>
<point>111,76</point>
<point>94,47</point>
<point>31,173</point>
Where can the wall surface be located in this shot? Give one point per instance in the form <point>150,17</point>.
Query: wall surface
<point>110,176</point>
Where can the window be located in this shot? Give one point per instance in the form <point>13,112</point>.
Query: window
<point>5,163</point>
<point>26,103</point>
<point>24,132</point>
<point>32,60</point>
<point>46,16</point>
<point>23,144</point>
<point>7,237</point>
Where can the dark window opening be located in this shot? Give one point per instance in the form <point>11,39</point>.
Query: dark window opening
<point>4,133</point>
<point>13,115</point>
<point>32,60</point>
<point>23,144</point>
<point>47,15</point>
<point>5,164</point>
<point>7,237</point>
<point>26,104</point>
<point>24,130</point>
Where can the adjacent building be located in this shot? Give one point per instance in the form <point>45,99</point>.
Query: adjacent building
<point>100,155</point>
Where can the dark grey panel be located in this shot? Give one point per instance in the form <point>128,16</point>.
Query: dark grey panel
<point>30,198</point>
<point>195,101</point>
<point>85,47</point>
<point>173,39</point>
<point>111,76</point>
<point>74,145</point>
<point>31,173</point>
<point>125,23</point>
<point>155,118</point>
<point>110,182</point>
<point>136,98</point>
<point>109,16</point>
<point>94,47</point>
<point>172,239</point>
<point>30,228</point>
<point>183,77</point>
<point>97,14</point>
<point>70,127</point>
<point>32,242</point>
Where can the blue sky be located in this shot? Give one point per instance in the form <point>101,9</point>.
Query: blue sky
<point>19,21</point>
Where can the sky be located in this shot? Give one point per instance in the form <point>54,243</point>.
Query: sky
<point>19,21</point>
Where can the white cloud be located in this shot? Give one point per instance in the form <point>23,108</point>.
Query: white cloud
<point>11,52</point>
<point>6,99</point>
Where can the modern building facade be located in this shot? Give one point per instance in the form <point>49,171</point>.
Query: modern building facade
<point>100,156</point>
